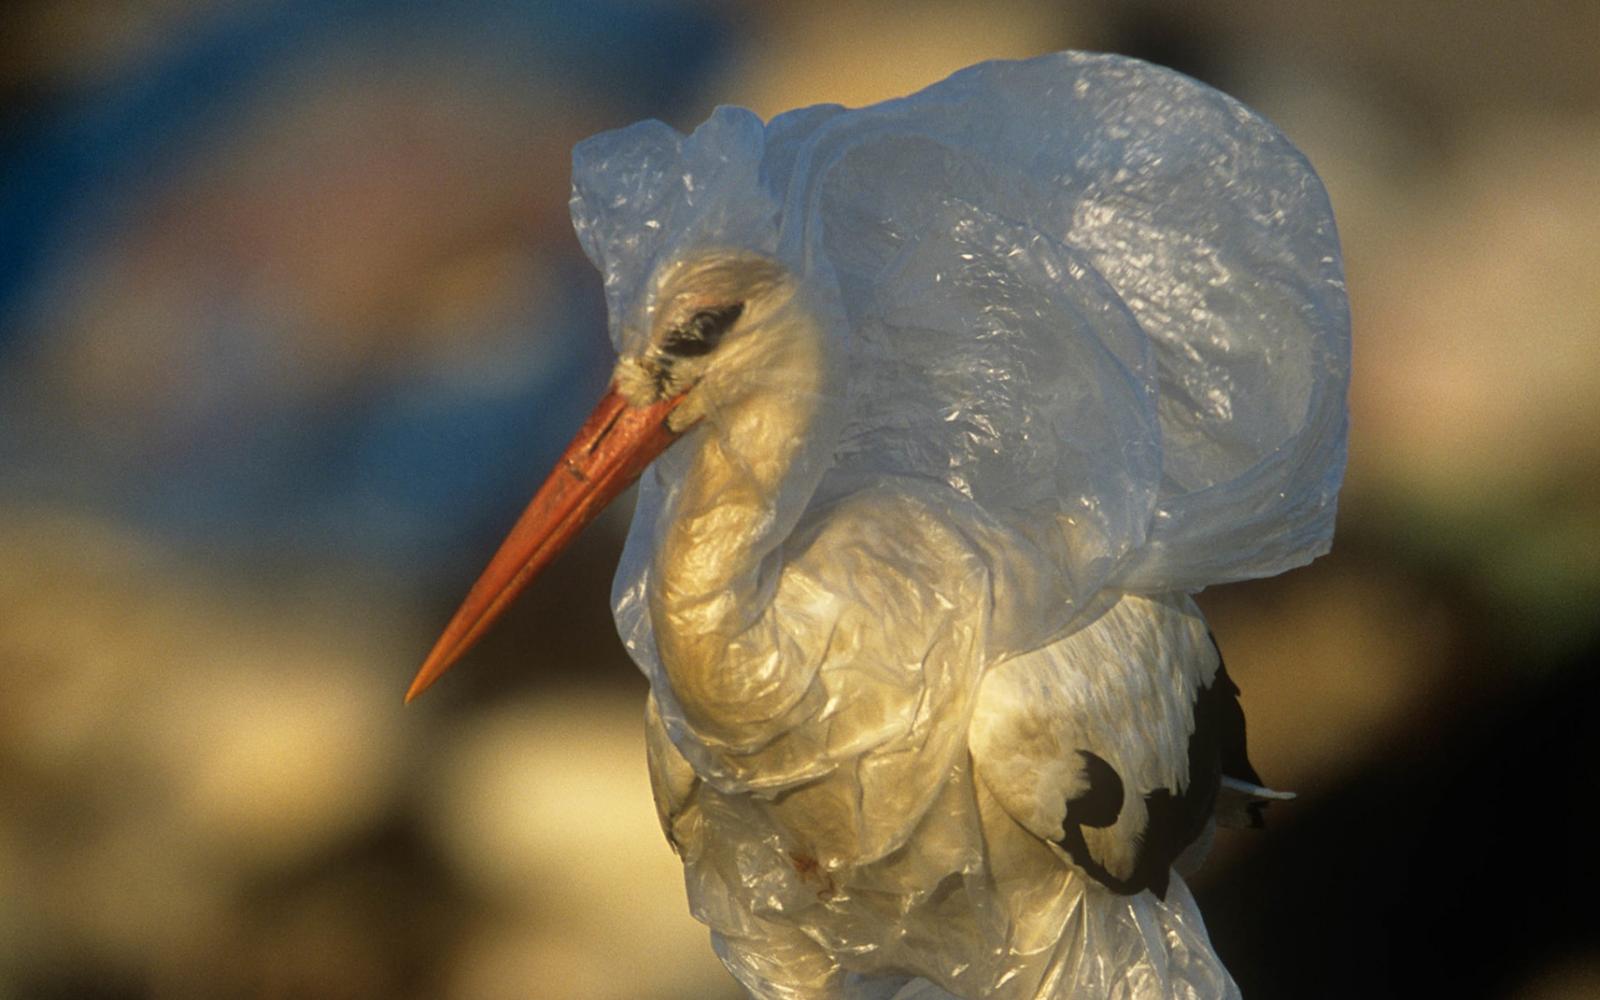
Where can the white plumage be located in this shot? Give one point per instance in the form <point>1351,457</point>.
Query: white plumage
<point>972,387</point>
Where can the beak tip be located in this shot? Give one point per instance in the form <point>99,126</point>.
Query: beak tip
<point>429,673</point>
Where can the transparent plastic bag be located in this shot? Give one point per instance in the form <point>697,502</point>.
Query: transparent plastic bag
<point>1087,337</point>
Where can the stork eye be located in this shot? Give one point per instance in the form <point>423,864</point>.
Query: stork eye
<point>702,332</point>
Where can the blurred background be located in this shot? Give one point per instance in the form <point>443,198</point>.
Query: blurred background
<point>292,321</point>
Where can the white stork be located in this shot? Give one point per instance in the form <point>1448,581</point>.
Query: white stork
<point>968,391</point>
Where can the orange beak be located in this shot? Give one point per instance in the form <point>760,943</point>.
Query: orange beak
<point>611,449</point>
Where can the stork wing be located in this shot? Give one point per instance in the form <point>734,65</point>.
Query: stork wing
<point>1111,744</point>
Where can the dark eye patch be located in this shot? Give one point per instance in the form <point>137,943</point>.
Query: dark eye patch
<point>702,332</point>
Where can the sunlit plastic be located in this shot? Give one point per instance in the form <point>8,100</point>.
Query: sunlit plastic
<point>1077,330</point>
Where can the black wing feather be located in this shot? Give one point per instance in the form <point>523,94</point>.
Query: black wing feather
<point>1176,819</point>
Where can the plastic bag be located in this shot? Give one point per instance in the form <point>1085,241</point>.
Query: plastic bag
<point>1088,335</point>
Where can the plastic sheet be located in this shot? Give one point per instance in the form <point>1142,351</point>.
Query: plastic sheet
<point>1061,331</point>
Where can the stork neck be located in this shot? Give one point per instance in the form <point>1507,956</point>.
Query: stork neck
<point>719,559</point>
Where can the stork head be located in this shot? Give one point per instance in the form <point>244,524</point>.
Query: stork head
<point>725,329</point>
<point>722,324</point>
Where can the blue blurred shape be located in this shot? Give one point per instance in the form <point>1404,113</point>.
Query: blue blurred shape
<point>399,470</point>
<point>67,163</point>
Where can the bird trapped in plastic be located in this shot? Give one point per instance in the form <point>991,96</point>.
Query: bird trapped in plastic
<point>944,407</point>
